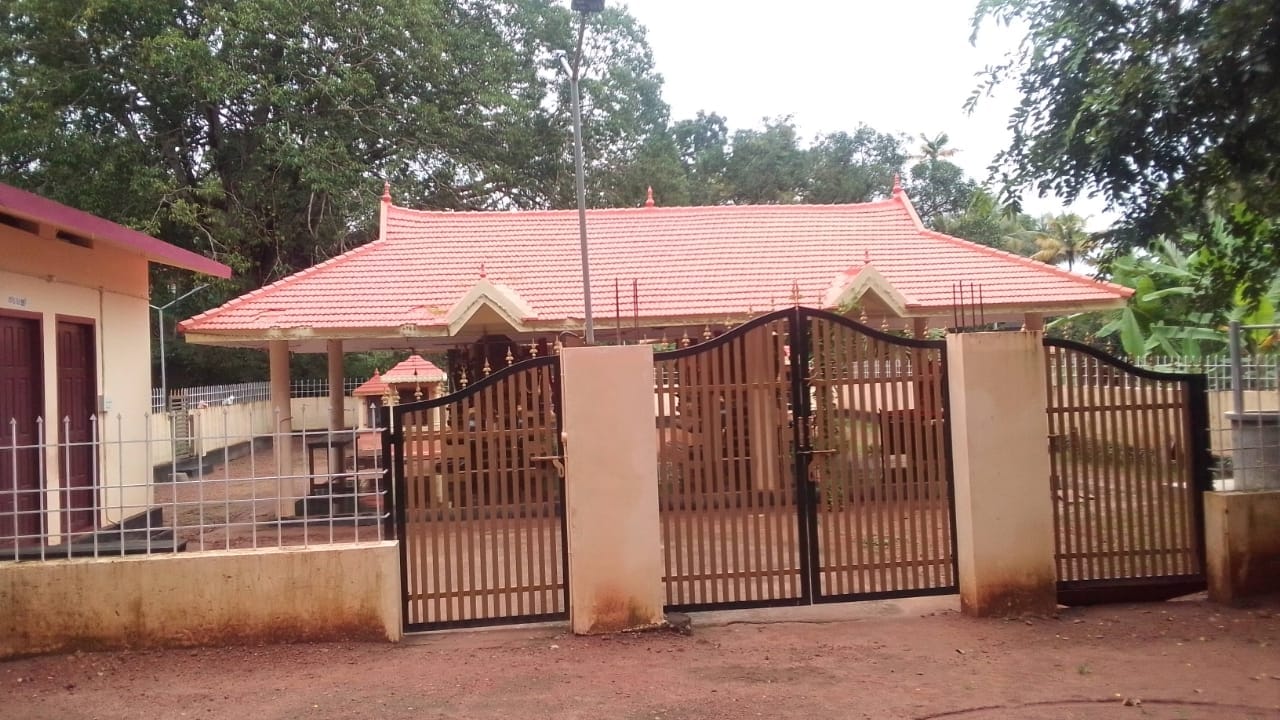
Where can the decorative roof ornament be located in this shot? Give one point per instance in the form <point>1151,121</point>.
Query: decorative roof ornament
<point>483,273</point>
<point>386,192</point>
<point>795,292</point>
<point>510,358</point>
<point>648,200</point>
<point>897,185</point>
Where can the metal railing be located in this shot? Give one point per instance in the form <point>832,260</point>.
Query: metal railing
<point>1257,372</point>
<point>107,487</point>
<point>242,393</point>
<point>1244,413</point>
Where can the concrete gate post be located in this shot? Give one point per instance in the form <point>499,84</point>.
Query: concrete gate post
<point>611,488</point>
<point>1000,450</point>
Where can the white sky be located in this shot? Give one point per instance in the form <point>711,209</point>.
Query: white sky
<point>896,65</point>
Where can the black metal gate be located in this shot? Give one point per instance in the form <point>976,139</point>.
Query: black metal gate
<point>1131,461</point>
<point>479,501</point>
<point>804,457</point>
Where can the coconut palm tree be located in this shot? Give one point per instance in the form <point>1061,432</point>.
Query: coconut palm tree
<point>1062,238</point>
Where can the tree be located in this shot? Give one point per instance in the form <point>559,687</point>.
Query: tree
<point>1171,110</point>
<point>766,167</point>
<point>987,222</point>
<point>1170,313</point>
<point>937,186</point>
<point>849,168</point>
<point>259,132</point>
<point>627,140</point>
<point>1062,238</point>
<point>703,144</point>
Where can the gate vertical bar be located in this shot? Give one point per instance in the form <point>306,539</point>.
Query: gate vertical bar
<point>393,438</point>
<point>950,465</point>
<point>805,497</point>
<point>1200,454</point>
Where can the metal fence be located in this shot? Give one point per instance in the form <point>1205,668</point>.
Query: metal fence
<point>1257,372</point>
<point>1244,416</point>
<point>109,489</point>
<point>242,393</point>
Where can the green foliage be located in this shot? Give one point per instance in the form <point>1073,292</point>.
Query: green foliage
<point>1169,110</point>
<point>984,220</point>
<point>766,166</point>
<point>1173,310</point>
<point>858,167</point>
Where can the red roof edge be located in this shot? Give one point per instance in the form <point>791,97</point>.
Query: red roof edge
<point>900,195</point>
<point>188,324</point>
<point>43,210</point>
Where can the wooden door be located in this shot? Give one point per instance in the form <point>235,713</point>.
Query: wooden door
<point>21,403</point>
<point>77,403</point>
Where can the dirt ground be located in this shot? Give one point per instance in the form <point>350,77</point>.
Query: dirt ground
<point>906,659</point>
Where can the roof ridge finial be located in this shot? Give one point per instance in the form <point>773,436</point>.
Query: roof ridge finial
<point>386,191</point>
<point>483,273</point>
<point>795,292</point>
<point>866,256</point>
<point>897,184</point>
<point>648,200</point>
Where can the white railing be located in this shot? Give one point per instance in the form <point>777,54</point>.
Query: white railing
<point>1258,372</point>
<point>249,392</point>
<point>102,488</point>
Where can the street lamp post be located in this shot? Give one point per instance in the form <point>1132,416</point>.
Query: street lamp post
<point>164,378</point>
<point>582,7</point>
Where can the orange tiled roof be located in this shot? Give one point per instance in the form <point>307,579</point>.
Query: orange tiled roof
<point>373,387</point>
<point>686,261</point>
<point>413,369</point>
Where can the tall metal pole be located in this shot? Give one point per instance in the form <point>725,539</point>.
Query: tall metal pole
<point>581,182</point>
<point>164,374</point>
<point>1237,368</point>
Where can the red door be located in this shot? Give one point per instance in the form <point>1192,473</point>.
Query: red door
<point>21,403</point>
<point>77,402</point>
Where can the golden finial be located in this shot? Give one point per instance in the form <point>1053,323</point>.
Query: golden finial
<point>664,340</point>
<point>486,369</point>
<point>884,326</point>
<point>510,357</point>
<point>557,347</point>
<point>795,292</point>
<point>684,340</point>
<point>706,332</point>
<point>462,378</point>
<point>417,391</point>
<point>863,318</point>
<point>533,348</point>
